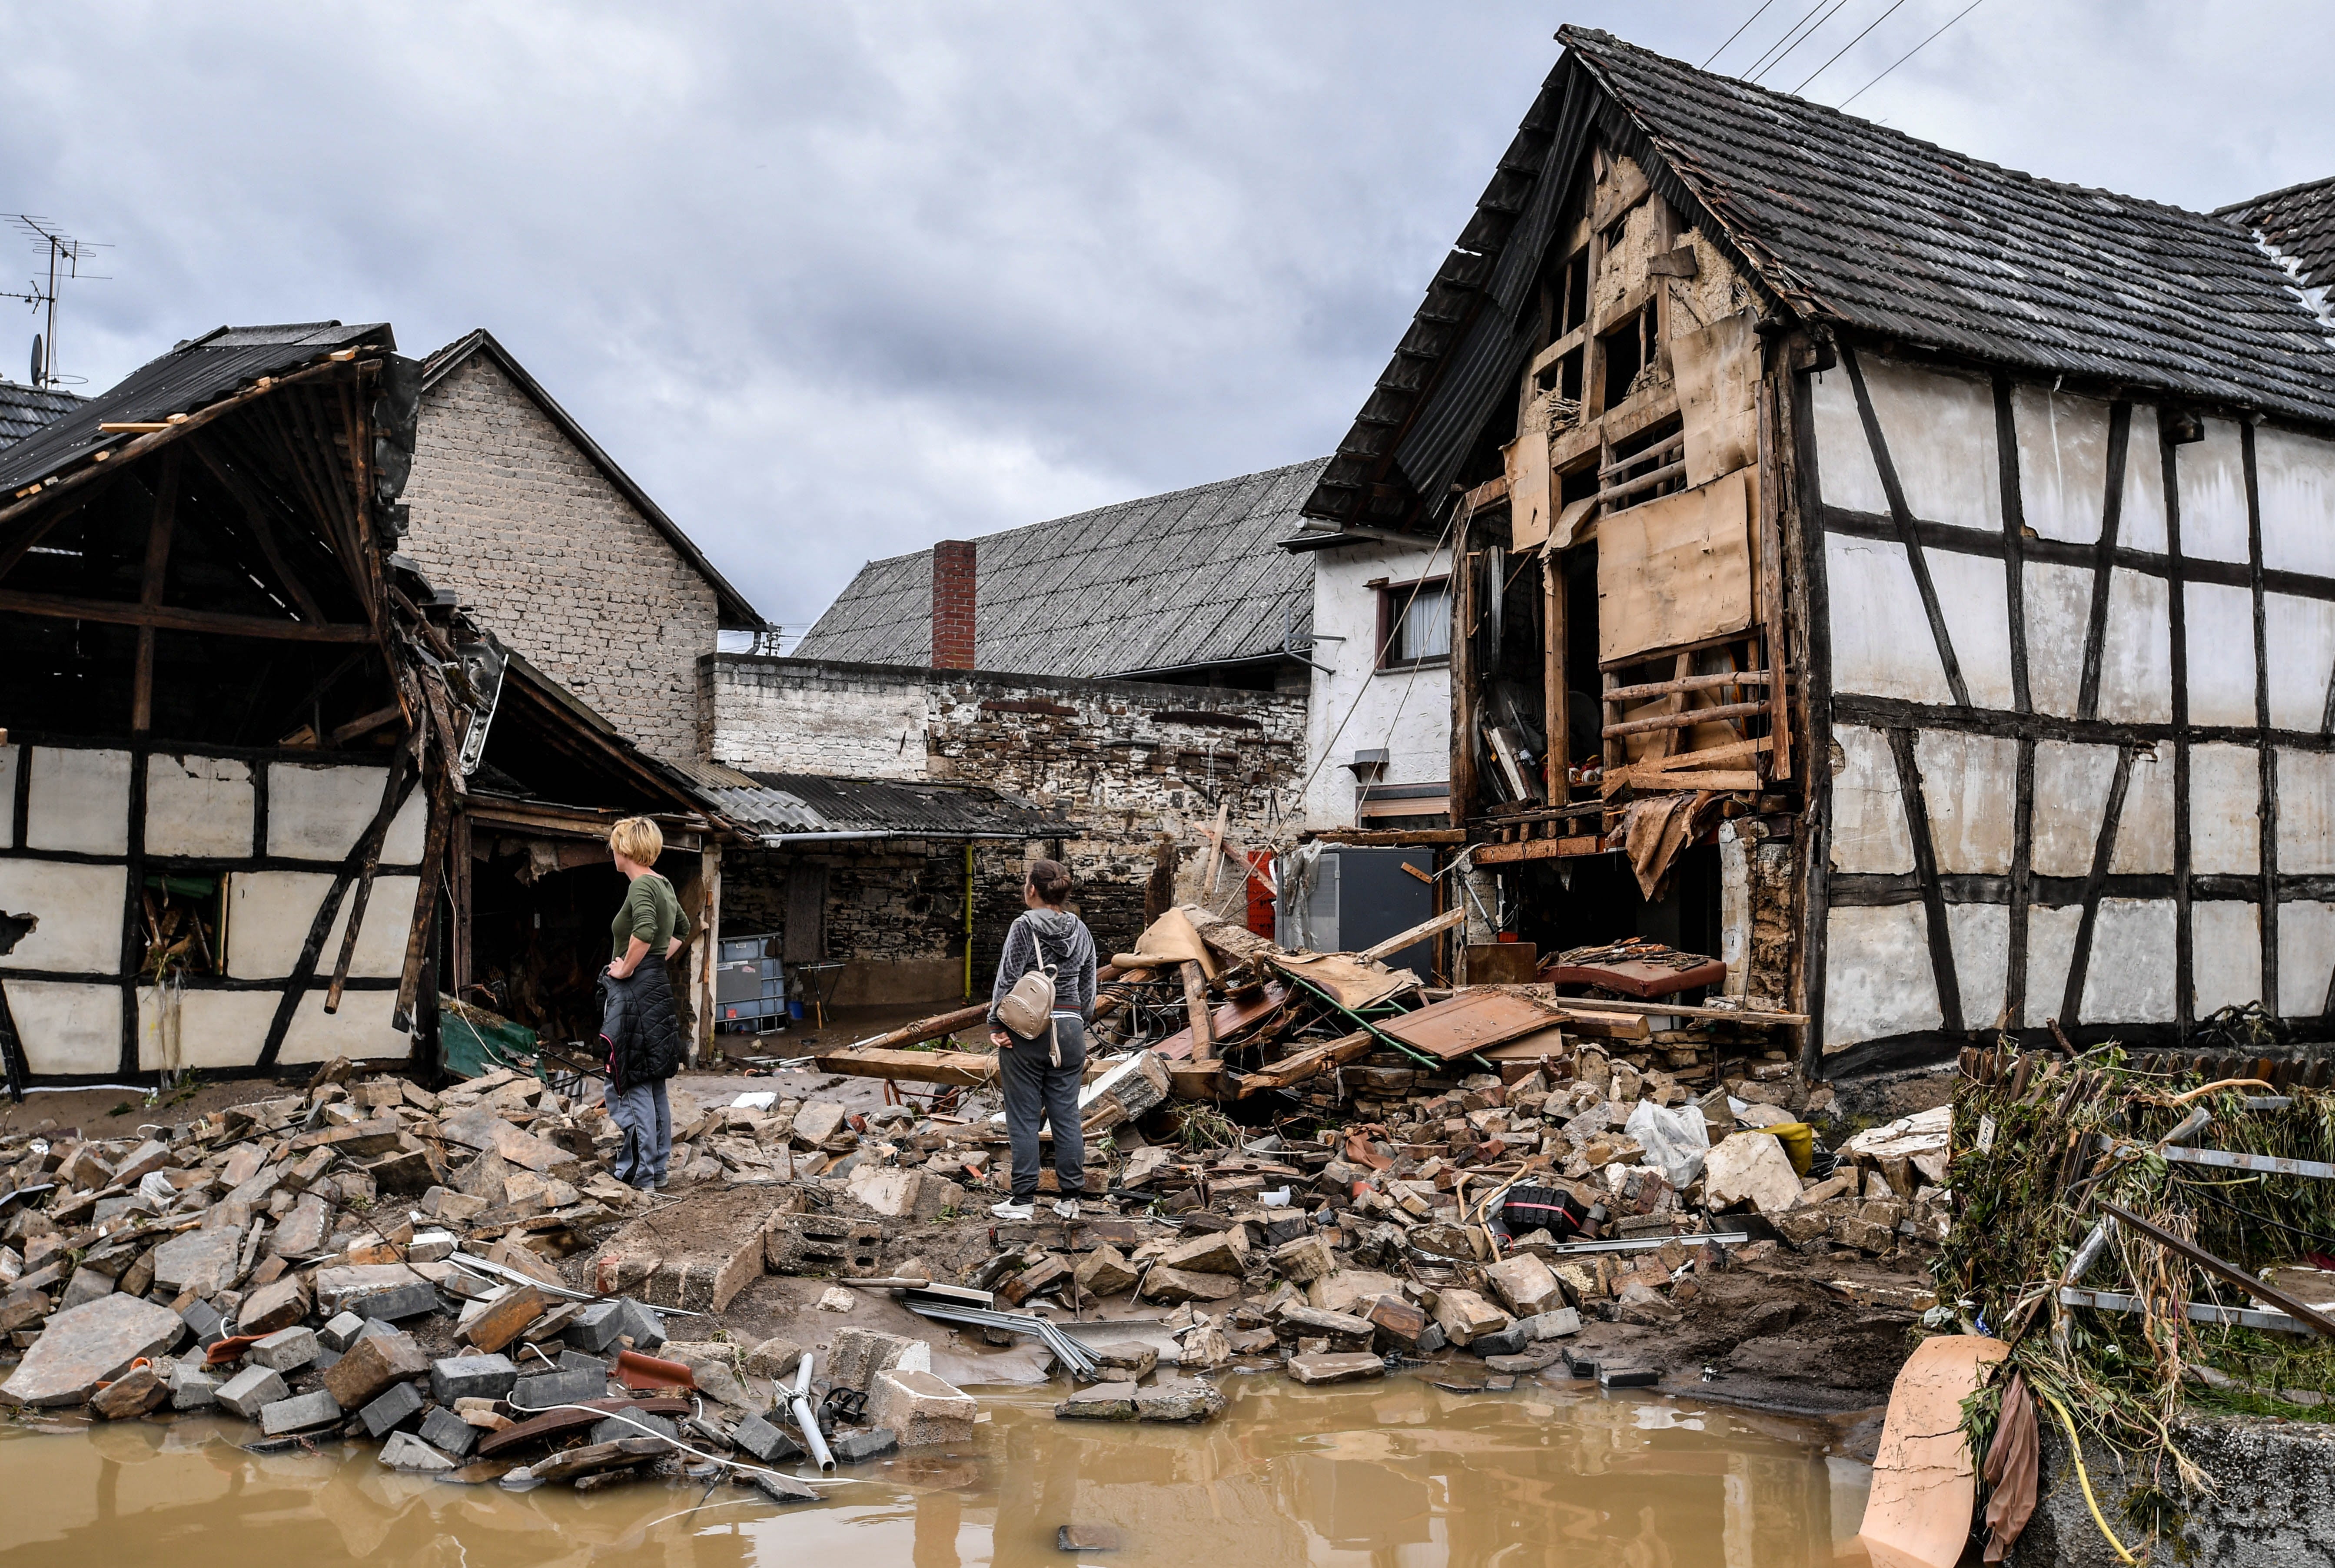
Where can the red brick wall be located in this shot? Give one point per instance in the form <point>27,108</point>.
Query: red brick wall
<point>952,639</point>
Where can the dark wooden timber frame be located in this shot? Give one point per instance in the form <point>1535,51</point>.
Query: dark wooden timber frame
<point>1901,721</point>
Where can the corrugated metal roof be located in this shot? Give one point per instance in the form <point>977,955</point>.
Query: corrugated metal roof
<point>24,410</point>
<point>1836,220</point>
<point>192,375</point>
<point>1169,582</point>
<point>2299,224</point>
<point>779,805</point>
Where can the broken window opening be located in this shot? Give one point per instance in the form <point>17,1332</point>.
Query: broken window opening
<point>183,926</point>
<point>1649,464</point>
<point>1626,351</point>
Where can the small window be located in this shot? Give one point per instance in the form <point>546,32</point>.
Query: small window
<point>1414,623</point>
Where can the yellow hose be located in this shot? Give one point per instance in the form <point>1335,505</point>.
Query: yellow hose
<point>2076,1447</point>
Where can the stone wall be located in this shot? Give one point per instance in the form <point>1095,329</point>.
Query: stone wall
<point>550,554</point>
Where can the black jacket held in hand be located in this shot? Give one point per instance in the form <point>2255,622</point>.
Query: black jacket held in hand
<point>639,1025</point>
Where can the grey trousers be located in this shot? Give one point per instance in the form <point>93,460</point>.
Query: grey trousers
<point>1037,1092</point>
<point>642,1115</point>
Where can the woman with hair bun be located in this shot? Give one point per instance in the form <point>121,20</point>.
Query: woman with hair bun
<point>1040,1073</point>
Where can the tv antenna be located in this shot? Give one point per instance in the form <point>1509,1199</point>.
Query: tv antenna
<point>65,257</point>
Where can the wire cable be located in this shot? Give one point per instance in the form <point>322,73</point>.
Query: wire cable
<point>1837,7</point>
<point>1845,48</point>
<point>1918,48</point>
<point>1731,37</point>
<point>1769,53</point>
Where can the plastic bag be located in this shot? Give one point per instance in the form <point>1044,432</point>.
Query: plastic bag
<point>1675,1141</point>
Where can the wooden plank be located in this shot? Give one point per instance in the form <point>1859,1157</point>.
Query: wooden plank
<point>1556,710</point>
<point>958,1067</point>
<point>176,618</point>
<point>1195,1008</point>
<point>1537,849</point>
<point>1676,570</point>
<point>1770,565</point>
<point>1688,683</point>
<point>925,1028</point>
<point>1435,926</point>
<point>1756,1017</point>
<point>1469,1022</point>
<point>1417,837</point>
<point>1644,776</point>
<point>158,529</point>
<point>1686,719</point>
<point>1306,1064</point>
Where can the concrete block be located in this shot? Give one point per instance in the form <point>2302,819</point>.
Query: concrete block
<point>371,1364</point>
<point>285,1350</point>
<point>392,1410</point>
<point>595,1328</point>
<point>405,1451</point>
<point>922,1409</point>
<point>252,1390</point>
<point>449,1433</point>
<point>300,1413</point>
<point>549,1388</point>
<point>340,1332</point>
<point>473,1378</point>
<point>191,1389</point>
<point>769,1443</point>
<point>858,1448</point>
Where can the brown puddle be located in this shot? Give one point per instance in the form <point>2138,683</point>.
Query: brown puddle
<point>1395,1475</point>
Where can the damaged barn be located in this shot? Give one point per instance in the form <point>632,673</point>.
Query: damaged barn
<point>245,736</point>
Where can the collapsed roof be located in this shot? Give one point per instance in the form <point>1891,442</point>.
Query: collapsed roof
<point>1185,580</point>
<point>1838,222</point>
<point>783,807</point>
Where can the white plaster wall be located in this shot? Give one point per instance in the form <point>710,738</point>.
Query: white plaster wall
<point>795,721</point>
<point>2300,634</point>
<point>2225,815</point>
<point>1941,433</point>
<point>2213,478</point>
<point>1406,711</point>
<point>1868,811</point>
<point>2228,954</point>
<point>318,811</point>
<point>66,1028</point>
<point>1881,642</point>
<point>360,1030</point>
<point>1974,596</point>
<point>2071,792</point>
<point>1965,782</point>
<point>8,758</point>
<point>2306,957</point>
<point>269,914</point>
<point>199,806</point>
<point>2220,622</point>
<point>2141,527</point>
<point>2063,461</point>
<point>2129,976</point>
<point>80,800</point>
<point>1846,473</point>
<point>215,1027</point>
<point>1877,978</point>
<point>2306,814</point>
<point>2136,654</point>
<point>2294,477</point>
<point>79,909</point>
<point>1979,934</point>
<point>2059,602</point>
<point>2144,830</point>
<point>2050,949</point>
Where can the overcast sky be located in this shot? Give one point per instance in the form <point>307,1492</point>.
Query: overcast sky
<point>834,281</point>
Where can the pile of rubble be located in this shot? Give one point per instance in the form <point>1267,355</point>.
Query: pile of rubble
<point>373,1262</point>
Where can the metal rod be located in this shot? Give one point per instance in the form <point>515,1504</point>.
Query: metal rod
<point>808,1420</point>
<point>1067,1351</point>
<point>2292,1305</point>
<point>2196,1312</point>
<point>1648,1244</point>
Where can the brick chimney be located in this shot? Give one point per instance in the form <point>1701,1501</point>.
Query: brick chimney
<point>952,604</point>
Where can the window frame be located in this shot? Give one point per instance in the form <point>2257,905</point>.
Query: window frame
<point>1391,595</point>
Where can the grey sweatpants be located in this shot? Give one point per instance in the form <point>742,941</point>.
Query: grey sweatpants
<point>1037,1092</point>
<point>642,1114</point>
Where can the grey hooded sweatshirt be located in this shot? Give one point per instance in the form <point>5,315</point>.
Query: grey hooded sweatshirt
<point>1049,936</point>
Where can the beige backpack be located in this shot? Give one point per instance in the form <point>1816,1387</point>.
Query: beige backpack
<point>1028,1010</point>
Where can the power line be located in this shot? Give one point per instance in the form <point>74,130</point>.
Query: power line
<point>1731,37</point>
<point>1918,48</point>
<point>1790,34</point>
<point>1803,38</point>
<point>1845,48</point>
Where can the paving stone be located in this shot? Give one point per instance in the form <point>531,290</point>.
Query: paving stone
<point>1628,1377</point>
<point>1086,1538</point>
<point>131,1395</point>
<point>397,1406</point>
<point>203,1320</point>
<point>340,1332</point>
<point>197,1261</point>
<point>1463,1314</point>
<point>384,1291</point>
<point>549,1388</point>
<point>1181,1400</point>
<point>643,1324</point>
<point>1554,1325</point>
<point>251,1390</point>
<point>854,1447</point>
<point>1100,1402</point>
<point>471,1377</point>
<point>1508,1341</point>
<point>783,1488</point>
<point>1170,1286</point>
<point>1339,1367</point>
<point>1524,1285</point>
<point>595,1328</point>
<point>775,1359</point>
<point>191,1389</point>
<point>923,1409</point>
<point>285,1350</point>
<point>449,1433</point>
<point>769,1443</point>
<point>507,1319</point>
<point>90,1345</point>
<point>273,1306</point>
<point>405,1451</point>
<point>1218,1253</point>
<point>300,1413</point>
<point>612,1430</point>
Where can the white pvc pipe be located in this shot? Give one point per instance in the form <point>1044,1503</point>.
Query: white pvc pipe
<point>808,1420</point>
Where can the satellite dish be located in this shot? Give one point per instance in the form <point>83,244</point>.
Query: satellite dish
<point>36,359</point>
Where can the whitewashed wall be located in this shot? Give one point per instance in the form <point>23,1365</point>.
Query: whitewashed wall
<point>1406,711</point>
<point>2167,712</point>
<point>77,1009</point>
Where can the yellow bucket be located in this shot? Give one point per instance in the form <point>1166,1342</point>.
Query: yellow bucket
<point>1799,1141</point>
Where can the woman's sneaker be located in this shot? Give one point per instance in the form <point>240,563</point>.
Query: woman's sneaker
<point>1010,1210</point>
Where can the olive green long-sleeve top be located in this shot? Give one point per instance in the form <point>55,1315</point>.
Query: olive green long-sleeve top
<point>652,912</point>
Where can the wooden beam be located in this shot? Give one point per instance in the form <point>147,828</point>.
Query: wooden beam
<point>1419,838</point>
<point>1195,1008</point>
<point>1306,1063</point>
<point>1685,719</point>
<point>256,514</point>
<point>970,1069</point>
<point>177,618</point>
<point>1688,683</point>
<point>1436,926</point>
<point>1539,849</point>
<point>158,529</point>
<point>1555,705</point>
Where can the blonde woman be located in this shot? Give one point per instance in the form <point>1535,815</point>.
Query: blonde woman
<point>639,1024</point>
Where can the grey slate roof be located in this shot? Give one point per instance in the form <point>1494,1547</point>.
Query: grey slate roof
<point>2299,223</point>
<point>24,410</point>
<point>1838,221</point>
<point>195,374</point>
<point>1168,582</point>
<point>779,805</point>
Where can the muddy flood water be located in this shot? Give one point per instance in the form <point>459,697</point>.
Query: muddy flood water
<point>1395,1474</point>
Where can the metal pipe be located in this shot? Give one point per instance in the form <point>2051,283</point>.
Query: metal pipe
<point>808,1420</point>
